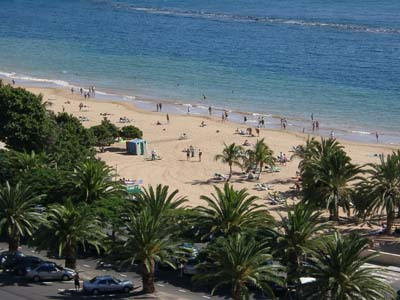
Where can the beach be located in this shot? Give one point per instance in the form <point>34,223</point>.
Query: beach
<point>191,177</point>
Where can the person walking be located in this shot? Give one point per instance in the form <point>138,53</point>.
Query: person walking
<point>200,154</point>
<point>167,118</point>
<point>377,136</point>
<point>77,282</point>
<point>209,110</point>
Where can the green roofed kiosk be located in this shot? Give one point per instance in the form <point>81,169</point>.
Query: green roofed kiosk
<point>136,147</point>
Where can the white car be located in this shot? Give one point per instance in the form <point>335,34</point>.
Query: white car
<point>49,271</point>
<point>107,284</point>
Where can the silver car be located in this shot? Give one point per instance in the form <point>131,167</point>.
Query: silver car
<point>107,284</point>
<point>50,271</point>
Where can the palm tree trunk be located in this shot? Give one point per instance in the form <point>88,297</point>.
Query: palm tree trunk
<point>389,222</point>
<point>147,279</point>
<point>236,292</point>
<point>230,173</point>
<point>70,257</point>
<point>13,241</point>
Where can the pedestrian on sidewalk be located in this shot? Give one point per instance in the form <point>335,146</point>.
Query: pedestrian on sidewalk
<point>77,282</point>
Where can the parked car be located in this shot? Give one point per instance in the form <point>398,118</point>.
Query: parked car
<point>25,263</point>
<point>50,271</point>
<point>9,259</point>
<point>107,284</point>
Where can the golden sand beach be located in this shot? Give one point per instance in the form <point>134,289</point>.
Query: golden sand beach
<point>191,177</point>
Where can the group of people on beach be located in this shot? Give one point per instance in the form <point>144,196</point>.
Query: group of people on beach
<point>86,94</point>
<point>159,107</point>
<point>190,152</point>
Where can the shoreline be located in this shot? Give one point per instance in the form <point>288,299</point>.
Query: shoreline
<point>272,121</point>
<point>191,177</point>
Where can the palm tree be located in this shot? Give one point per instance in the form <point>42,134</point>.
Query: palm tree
<point>239,261</point>
<point>150,241</point>
<point>263,155</point>
<point>306,151</point>
<point>327,176</point>
<point>66,227</point>
<point>297,236</point>
<point>382,188</point>
<point>341,273</point>
<point>92,180</point>
<point>230,155</point>
<point>17,213</point>
<point>26,162</point>
<point>230,211</point>
<point>158,200</point>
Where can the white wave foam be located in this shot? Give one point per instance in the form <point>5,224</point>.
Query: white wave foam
<point>292,22</point>
<point>360,132</point>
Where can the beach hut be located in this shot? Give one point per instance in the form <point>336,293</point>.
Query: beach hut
<point>136,147</point>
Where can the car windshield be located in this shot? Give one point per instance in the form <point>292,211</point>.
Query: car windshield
<point>93,280</point>
<point>116,280</point>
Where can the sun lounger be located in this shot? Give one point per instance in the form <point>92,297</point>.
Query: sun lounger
<point>273,170</point>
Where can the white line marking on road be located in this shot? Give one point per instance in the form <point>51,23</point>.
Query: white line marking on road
<point>182,291</point>
<point>87,266</point>
<point>123,275</point>
<point>61,290</point>
<point>206,297</point>
<point>160,284</point>
<point>47,283</point>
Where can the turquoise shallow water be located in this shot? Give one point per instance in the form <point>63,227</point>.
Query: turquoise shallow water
<point>338,60</point>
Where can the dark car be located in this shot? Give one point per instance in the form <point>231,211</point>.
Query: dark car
<point>26,263</point>
<point>9,259</point>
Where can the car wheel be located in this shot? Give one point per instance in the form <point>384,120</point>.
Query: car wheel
<point>65,278</point>
<point>95,292</point>
<point>36,278</point>
<point>126,290</point>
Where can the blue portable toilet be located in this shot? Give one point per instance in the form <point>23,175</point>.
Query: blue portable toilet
<point>136,147</point>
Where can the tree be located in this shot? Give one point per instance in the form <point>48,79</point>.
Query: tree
<point>17,213</point>
<point>306,151</point>
<point>152,232</point>
<point>239,261</point>
<point>327,176</point>
<point>66,227</point>
<point>296,237</point>
<point>92,181</point>
<point>230,211</point>
<point>263,155</point>
<point>24,122</point>
<point>73,142</point>
<point>105,133</point>
<point>150,241</point>
<point>381,191</point>
<point>341,272</point>
<point>130,132</point>
<point>158,200</point>
<point>230,155</point>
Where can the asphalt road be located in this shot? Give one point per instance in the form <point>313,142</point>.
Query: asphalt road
<point>169,286</point>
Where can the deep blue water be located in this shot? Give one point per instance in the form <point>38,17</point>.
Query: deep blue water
<point>338,59</point>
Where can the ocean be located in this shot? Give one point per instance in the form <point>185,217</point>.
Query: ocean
<point>338,60</point>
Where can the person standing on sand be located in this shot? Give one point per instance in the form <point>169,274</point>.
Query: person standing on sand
<point>209,110</point>
<point>72,90</point>
<point>167,118</point>
<point>377,136</point>
<point>160,105</point>
<point>200,154</point>
<point>157,107</point>
<point>187,154</point>
<point>188,110</point>
<point>244,119</point>
<point>223,117</point>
